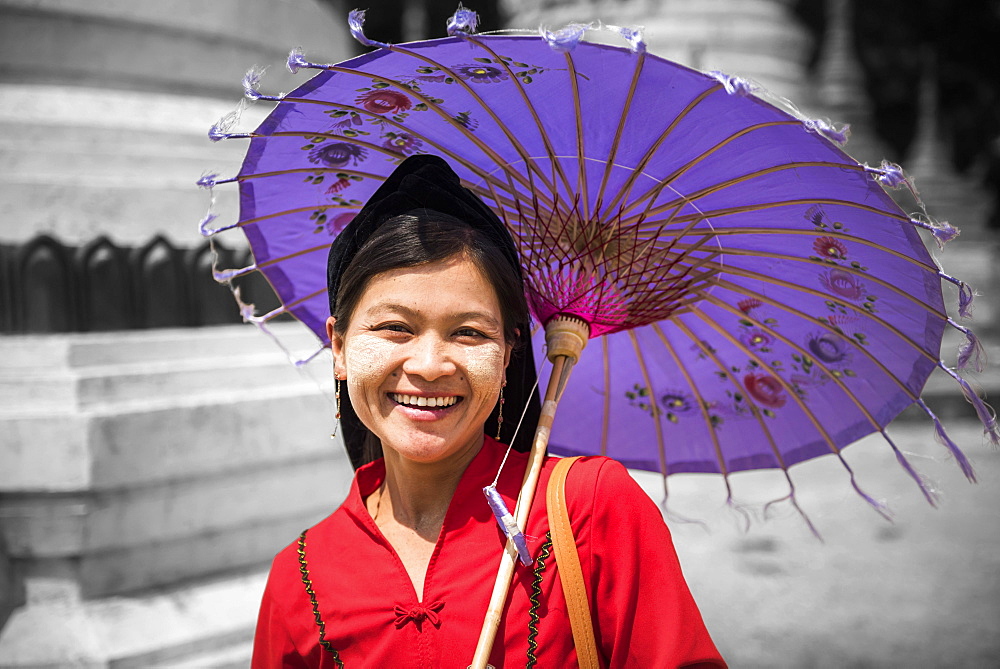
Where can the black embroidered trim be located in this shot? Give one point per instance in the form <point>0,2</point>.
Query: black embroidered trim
<point>535,598</point>
<point>303,567</point>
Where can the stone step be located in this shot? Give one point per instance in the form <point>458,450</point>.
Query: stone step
<point>27,352</point>
<point>151,440</point>
<point>233,656</point>
<point>99,387</point>
<point>201,624</point>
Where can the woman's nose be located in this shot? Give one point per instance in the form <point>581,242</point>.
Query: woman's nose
<point>429,358</point>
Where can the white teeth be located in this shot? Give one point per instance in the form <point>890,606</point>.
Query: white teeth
<point>420,401</point>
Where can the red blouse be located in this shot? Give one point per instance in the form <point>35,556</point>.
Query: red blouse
<point>643,613</point>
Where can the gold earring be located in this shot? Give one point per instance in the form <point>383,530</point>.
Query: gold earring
<point>336,394</point>
<point>500,412</point>
<point>336,397</point>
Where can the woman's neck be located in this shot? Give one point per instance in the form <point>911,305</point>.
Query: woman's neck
<point>416,495</point>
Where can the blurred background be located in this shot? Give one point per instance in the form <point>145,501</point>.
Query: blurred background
<point>155,453</point>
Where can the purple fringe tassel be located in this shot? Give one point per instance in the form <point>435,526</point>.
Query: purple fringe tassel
<point>928,493</point>
<point>463,22</point>
<point>972,349</point>
<point>734,85</point>
<point>226,275</point>
<point>565,39</point>
<point>943,231</point>
<point>633,36</point>
<point>209,232</point>
<point>356,22</point>
<point>986,415</point>
<point>946,441</point>
<point>965,297</point>
<point>838,136</point>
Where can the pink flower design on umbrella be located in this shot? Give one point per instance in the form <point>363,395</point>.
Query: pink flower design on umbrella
<point>338,185</point>
<point>829,348</point>
<point>383,101</point>
<point>481,74</point>
<point>756,339</point>
<point>335,224</point>
<point>765,389</point>
<point>402,143</point>
<point>337,154</point>
<point>830,247</point>
<point>843,284</point>
<point>749,304</point>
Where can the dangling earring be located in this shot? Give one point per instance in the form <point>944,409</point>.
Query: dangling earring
<point>336,397</point>
<point>500,412</point>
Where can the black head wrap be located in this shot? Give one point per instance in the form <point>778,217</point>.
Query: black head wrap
<point>426,182</point>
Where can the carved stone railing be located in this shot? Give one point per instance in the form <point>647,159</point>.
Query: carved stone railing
<point>47,286</point>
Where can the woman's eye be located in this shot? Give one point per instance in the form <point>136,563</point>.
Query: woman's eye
<point>392,327</point>
<point>469,332</point>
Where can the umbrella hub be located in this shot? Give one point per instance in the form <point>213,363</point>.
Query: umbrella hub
<point>566,336</point>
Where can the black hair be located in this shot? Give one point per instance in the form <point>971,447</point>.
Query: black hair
<point>421,213</point>
<point>425,236</point>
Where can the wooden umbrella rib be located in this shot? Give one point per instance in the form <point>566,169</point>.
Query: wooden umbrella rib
<point>761,206</point>
<point>485,148</point>
<point>511,137</point>
<point>557,167</point>
<point>301,252</point>
<point>307,170</point>
<point>648,155</point>
<point>297,210</point>
<point>486,176</point>
<point>815,293</point>
<point>836,378</point>
<point>702,405</point>
<point>784,384</point>
<point>802,406</point>
<point>619,131</point>
<point>580,153</point>
<point>846,269</point>
<point>285,308</point>
<point>755,410</point>
<point>654,410</point>
<point>826,326</point>
<point>654,192</point>
<point>722,185</point>
<point>440,112</point>
<point>732,232</point>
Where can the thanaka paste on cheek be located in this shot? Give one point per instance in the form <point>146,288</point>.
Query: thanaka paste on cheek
<point>365,357</point>
<point>484,365</point>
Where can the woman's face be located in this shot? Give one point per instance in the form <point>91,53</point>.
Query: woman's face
<point>424,358</point>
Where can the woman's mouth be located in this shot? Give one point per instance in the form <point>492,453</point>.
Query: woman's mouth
<point>422,402</point>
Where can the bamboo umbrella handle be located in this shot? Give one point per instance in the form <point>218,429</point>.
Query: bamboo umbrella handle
<point>500,588</point>
<point>565,339</point>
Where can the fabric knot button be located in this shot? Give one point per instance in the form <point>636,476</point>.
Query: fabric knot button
<point>418,614</point>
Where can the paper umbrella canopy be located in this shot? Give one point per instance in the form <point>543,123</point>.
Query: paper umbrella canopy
<point>757,297</point>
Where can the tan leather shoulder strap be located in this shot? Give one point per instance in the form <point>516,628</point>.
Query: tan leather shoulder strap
<point>570,573</point>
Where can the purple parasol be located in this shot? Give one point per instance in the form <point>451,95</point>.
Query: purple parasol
<point>759,297</point>
<point>762,299</point>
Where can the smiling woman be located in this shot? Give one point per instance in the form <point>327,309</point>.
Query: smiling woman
<point>429,330</point>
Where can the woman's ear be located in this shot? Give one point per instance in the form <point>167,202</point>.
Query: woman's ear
<point>337,347</point>
<point>510,349</point>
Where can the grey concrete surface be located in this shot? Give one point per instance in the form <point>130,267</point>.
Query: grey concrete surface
<point>921,591</point>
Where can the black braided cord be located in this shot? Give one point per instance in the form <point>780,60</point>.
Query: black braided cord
<point>536,599</point>
<point>304,568</point>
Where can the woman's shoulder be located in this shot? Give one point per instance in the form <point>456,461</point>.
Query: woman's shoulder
<point>316,539</point>
<point>597,481</point>
<point>591,472</point>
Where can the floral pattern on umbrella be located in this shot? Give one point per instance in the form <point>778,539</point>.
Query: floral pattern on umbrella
<point>758,297</point>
